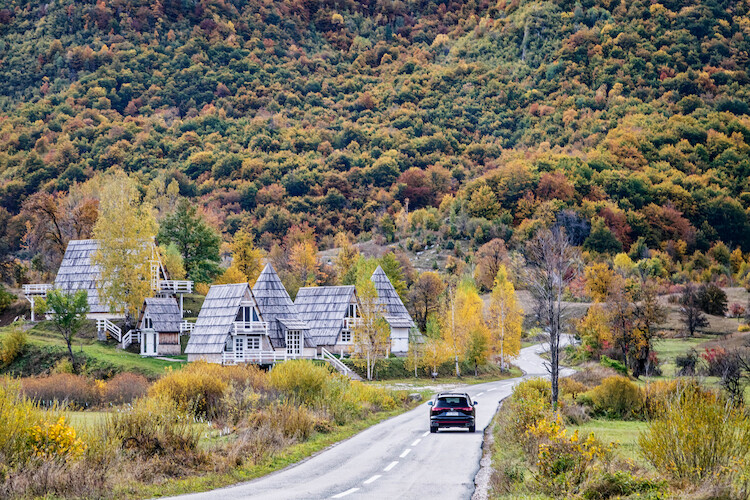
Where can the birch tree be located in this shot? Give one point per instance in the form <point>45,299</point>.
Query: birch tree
<point>462,314</point>
<point>372,331</point>
<point>125,229</point>
<point>552,263</point>
<point>505,318</point>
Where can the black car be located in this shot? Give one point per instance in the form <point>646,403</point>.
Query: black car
<point>451,409</point>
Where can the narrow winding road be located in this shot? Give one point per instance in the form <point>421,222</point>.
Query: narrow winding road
<point>397,458</point>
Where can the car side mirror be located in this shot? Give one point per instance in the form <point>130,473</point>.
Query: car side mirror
<point>475,403</point>
<point>430,403</point>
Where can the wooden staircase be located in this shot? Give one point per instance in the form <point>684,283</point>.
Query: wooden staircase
<point>105,327</point>
<point>338,365</point>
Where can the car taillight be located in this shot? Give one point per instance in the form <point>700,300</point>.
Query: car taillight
<point>437,408</point>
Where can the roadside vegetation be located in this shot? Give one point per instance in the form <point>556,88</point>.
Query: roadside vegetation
<point>196,428</point>
<point>611,438</point>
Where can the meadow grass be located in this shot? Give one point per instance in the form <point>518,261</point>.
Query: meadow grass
<point>624,433</point>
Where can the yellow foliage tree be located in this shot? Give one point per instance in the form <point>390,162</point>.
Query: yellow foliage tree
<point>461,315</point>
<point>599,279</point>
<point>623,263</point>
<point>303,262</point>
<point>246,257</point>
<point>594,330</point>
<point>125,230</point>
<point>347,258</point>
<point>435,352</point>
<point>505,318</point>
<point>173,262</point>
<point>230,276</point>
<point>371,332</point>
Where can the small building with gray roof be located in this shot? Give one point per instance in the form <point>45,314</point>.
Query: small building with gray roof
<point>331,313</point>
<point>160,325</point>
<point>393,311</point>
<point>287,331</point>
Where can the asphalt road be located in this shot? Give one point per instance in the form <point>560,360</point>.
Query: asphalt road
<point>397,458</point>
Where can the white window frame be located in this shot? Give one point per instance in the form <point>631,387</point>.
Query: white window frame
<point>253,342</point>
<point>347,337</point>
<point>294,342</point>
<point>148,323</point>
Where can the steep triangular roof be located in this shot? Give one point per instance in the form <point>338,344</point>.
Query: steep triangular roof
<point>394,311</point>
<point>324,309</point>
<point>216,318</point>
<point>277,308</point>
<point>164,314</point>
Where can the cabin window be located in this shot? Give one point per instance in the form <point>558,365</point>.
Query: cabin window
<point>346,336</point>
<point>351,312</point>
<point>239,345</point>
<point>253,343</point>
<point>147,323</point>
<point>230,344</point>
<point>293,342</point>
<point>247,314</point>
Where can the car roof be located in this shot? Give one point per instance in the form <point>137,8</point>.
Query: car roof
<point>441,394</point>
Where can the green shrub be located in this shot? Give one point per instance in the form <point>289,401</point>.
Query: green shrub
<point>6,298</point>
<point>617,366</point>
<point>617,397</point>
<point>620,484</point>
<point>13,344</point>
<point>697,436</point>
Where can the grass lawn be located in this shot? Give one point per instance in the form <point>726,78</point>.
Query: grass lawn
<point>668,349</point>
<point>106,357</point>
<point>616,431</point>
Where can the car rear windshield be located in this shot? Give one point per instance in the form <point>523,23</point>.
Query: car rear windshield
<point>452,402</point>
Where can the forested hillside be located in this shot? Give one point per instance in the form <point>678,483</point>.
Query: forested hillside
<point>624,121</point>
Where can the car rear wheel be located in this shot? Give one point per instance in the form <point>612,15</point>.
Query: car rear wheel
<point>433,429</point>
<point>472,428</point>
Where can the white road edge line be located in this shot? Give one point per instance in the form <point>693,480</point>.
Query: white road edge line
<point>406,452</point>
<point>426,434</point>
<point>391,466</point>
<point>373,479</point>
<point>347,492</point>
<point>416,442</point>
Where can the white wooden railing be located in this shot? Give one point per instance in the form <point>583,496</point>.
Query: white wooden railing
<point>259,357</point>
<point>352,323</point>
<point>105,325</point>
<point>337,364</point>
<point>176,286</point>
<point>37,289</point>
<point>187,327</point>
<point>242,327</point>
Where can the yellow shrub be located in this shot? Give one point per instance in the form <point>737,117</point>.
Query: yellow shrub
<point>55,439</point>
<point>617,397</point>
<point>193,389</point>
<point>26,431</point>
<point>12,345</point>
<point>698,435</point>
<point>302,379</point>
<point>743,328</point>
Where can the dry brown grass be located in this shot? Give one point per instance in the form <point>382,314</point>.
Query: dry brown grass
<point>592,374</point>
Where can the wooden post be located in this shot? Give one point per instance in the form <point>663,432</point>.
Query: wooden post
<point>32,308</point>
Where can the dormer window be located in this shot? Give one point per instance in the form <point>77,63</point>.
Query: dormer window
<point>247,314</point>
<point>351,311</point>
<point>147,323</point>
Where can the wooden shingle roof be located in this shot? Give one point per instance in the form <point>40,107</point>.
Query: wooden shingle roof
<point>392,307</point>
<point>78,272</point>
<point>216,318</point>
<point>164,314</point>
<point>324,309</point>
<point>278,309</point>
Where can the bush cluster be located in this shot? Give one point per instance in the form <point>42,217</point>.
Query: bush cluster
<point>79,392</point>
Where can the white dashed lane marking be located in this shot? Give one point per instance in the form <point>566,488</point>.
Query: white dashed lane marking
<point>391,466</point>
<point>406,452</point>
<point>480,394</point>
<point>488,390</point>
<point>373,479</point>
<point>426,434</point>
<point>344,493</point>
<point>416,442</point>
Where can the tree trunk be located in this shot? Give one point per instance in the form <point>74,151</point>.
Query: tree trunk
<point>458,370</point>
<point>70,353</point>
